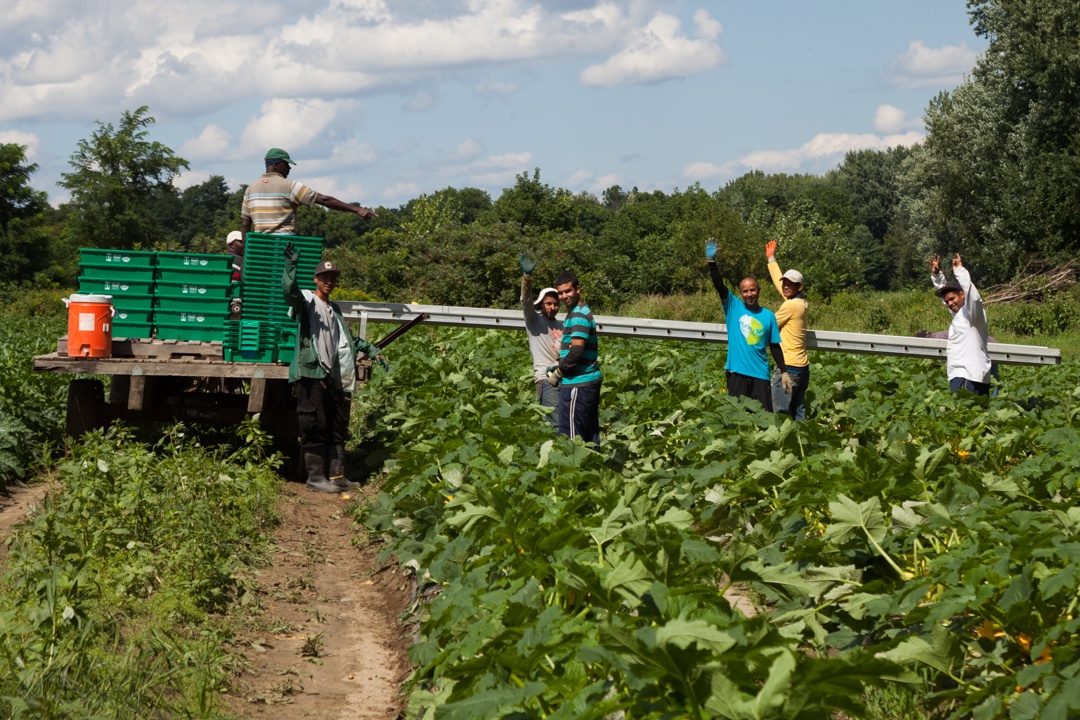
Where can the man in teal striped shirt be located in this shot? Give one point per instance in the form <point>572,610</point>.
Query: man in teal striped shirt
<point>578,372</point>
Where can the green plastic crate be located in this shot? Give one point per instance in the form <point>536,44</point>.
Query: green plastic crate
<point>188,331</point>
<point>122,258</point>
<point>194,261</point>
<point>194,275</point>
<point>132,317</point>
<point>116,273</point>
<point>191,303</point>
<point>133,302</point>
<point>218,289</point>
<point>192,319</point>
<point>263,355</point>
<point>116,288</point>
<point>132,330</point>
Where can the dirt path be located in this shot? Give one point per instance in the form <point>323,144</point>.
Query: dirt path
<point>329,644</point>
<point>15,505</point>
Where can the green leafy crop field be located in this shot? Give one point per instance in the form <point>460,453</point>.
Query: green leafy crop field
<point>910,552</point>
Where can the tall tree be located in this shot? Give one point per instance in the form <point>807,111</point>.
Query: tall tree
<point>17,199</point>
<point>117,174</point>
<point>999,176</point>
<point>24,245</point>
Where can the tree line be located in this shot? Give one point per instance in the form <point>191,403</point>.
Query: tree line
<point>996,179</point>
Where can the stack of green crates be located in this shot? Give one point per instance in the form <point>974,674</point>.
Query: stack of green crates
<point>128,276</point>
<point>191,296</point>
<point>266,321</point>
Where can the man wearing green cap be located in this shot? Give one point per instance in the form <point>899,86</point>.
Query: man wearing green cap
<point>270,202</point>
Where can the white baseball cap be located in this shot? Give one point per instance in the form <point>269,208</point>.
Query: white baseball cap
<point>233,237</point>
<point>544,293</point>
<point>794,276</point>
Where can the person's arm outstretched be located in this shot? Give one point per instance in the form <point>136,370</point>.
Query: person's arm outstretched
<point>775,273</point>
<point>714,272</point>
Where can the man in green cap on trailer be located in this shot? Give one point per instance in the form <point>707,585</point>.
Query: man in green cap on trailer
<point>270,202</point>
<point>323,373</point>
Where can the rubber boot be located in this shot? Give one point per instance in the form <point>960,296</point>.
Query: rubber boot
<point>337,469</point>
<point>316,473</point>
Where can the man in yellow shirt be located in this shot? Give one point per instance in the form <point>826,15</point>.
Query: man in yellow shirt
<point>789,393</point>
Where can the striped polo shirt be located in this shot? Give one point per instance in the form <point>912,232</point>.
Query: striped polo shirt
<point>271,201</point>
<point>579,323</point>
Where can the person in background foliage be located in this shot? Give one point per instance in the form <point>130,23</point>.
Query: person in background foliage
<point>577,374</point>
<point>270,202</point>
<point>544,334</point>
<point>750,329</point>
<point>323,373</point>
<point>790,399</point>
<point>968,362</point>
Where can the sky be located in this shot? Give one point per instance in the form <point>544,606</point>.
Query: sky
<point>380,101</point>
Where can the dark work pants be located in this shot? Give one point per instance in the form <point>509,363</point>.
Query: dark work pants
<point>579,412</point>
<point>739,385</point>
<point>323,412</point>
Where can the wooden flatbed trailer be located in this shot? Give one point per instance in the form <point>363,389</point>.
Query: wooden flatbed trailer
<point>155,380</point>
<point>170,380</point>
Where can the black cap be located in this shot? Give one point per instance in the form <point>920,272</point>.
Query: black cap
<point>951,286</point>
<point>326,266</point>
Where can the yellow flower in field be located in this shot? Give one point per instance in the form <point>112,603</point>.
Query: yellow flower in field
<point>963,455</point>
<point>989,630</point>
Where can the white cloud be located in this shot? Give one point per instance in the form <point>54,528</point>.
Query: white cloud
<point>288,123</point>
<point>589,181</point>
<point>579,178</point>
<point>921,66</point>
<point>211,144</point>
<point>420,101</point>
<point>497,89</point>
<point>467,150</point>
<point>189,179</point>
<point>698,171</point>
<point>400,192</point>
<point>890,119</point>
<point>827,147</point>
<point>499,170</point>
<point>18,137</point>
<point>659,52</point>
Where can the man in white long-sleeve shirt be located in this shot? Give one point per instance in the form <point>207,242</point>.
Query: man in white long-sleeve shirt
<point>544,333</point>
<point>968,362</point>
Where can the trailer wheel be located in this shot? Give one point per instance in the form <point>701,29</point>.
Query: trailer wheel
<point>85,399</point>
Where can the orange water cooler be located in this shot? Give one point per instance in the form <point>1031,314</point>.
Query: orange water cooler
<point>90,325</point>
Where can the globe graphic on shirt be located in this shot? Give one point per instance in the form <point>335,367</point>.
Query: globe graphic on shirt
<point>752,329</point>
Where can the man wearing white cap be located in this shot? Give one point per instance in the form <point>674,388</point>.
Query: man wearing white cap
<point>234,245</point>
<point>544,333</point>
<point>789,389</point>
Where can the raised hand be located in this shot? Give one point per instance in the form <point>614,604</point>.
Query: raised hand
<point>710,249</point>
<point>935,264</point>
<point>956,262</point>
<point>291,253</point>
<point>770,249</point>
<point>527,263</point>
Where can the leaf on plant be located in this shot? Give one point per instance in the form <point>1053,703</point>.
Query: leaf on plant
<point>849,516</point>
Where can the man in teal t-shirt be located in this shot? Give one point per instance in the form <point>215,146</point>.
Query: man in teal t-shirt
<point>578,372</point>
<point>750,328</point>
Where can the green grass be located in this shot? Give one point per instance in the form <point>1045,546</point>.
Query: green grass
<point>1055,323</point>
<point>112,598</point>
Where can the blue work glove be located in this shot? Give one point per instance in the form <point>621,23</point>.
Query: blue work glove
<point>710,250</point>
<point>383,362</point>
<point>291,253</point>
<point>527,263</point>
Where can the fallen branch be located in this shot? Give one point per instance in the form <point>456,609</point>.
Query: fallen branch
<point>1033,285</point>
